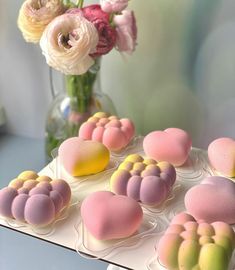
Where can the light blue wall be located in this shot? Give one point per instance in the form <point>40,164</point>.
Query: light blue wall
<point>182,73</point>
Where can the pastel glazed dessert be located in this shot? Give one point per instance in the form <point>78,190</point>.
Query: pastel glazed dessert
<point>144,180</point>
<point>80,157</point>
<point>108,216</point>
<point>188,245</point>
<point>33,199</point>
<point>113,132</point>
<point>212,200</point>
<point>221,154</point>
<point>172,145</point>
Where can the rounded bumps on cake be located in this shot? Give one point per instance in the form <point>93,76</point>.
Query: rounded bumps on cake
<point>221,154</point>
<point>113,132</point>
<point>108,216</point>
<point>190,245</point>
<point>36,200</point>
<point>212,200</point>
<point>172,145</point>
<point>80,157</point>
<point>144,180</point>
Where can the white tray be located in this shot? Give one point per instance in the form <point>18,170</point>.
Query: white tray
<point>129,257</point>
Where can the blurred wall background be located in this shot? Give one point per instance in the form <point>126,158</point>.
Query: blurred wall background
<point>182,73</point>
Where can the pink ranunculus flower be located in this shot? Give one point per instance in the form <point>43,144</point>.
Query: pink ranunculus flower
<point>100,19</point>
<point>113,6</point>
<point>67,43</point>
<point>107,38</point>
<point>35,15</point>
<point>107,34</point>
<point>94,12</point>
<point>126,31</point>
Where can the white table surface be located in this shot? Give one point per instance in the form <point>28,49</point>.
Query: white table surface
<point>135,257</point>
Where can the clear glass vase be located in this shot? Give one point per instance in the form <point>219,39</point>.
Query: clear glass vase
<point>80,97</point>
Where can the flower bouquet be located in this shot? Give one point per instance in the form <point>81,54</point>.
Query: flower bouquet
<point>73,37</point>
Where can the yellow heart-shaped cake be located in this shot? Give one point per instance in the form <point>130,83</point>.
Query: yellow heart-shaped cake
<point>80,157</point>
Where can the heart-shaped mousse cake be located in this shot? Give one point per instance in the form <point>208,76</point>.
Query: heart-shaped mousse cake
<point>113,132</point>
<point>34,199</point>
<point>108,216</point>
<point>212,200</point>
<point>80,157</point>
<point>144,180</point>
<point>172,145</point>
<point>190,245</point>
<point>221,154</point>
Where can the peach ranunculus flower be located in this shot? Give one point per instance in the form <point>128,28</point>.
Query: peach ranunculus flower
<point>67,43</point>
<point>35,15</point>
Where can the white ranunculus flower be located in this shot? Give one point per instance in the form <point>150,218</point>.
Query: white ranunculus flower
<point>35,15</point>
<point>67,43</point>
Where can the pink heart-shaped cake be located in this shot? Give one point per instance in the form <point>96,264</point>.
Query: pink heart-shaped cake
<point>172,145</point>
<point>109,216</point>
<point>221,154</point>
<point>212,200</point>
<point>144,180</point>
<point>113,132</point>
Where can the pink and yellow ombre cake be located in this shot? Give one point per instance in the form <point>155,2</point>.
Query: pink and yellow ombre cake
<point>113,132</point>
<point>221,154</point>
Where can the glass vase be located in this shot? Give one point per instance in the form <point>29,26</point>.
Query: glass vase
<point>81,97</point>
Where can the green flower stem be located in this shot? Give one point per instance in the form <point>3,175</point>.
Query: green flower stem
<point>80,91</point>
<point>68,4</point>
<point>80,3</point>
<point>111,16</point>
<point>79,88</point>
